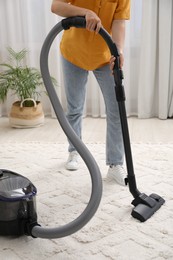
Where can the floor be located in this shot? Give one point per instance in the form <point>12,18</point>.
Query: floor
<point>112,234</point>
<point>141,130</point>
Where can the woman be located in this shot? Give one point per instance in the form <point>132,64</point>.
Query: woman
<point>83,50</point>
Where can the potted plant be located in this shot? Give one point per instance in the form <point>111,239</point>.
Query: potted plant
<point>26,83</point>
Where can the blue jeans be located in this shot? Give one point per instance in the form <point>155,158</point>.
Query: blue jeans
<point>75,80</point>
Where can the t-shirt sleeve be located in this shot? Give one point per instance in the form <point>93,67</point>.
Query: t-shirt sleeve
<point>122,11</point>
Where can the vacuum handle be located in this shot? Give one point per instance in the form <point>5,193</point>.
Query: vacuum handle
<point>76,21</point>
<point>80,22</point>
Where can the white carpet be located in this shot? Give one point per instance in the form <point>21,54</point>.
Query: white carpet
<point>62,195</point>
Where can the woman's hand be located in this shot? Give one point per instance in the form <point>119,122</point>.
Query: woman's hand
<point>112,62</point>
<point>64,9</point>
<point>93,22</point>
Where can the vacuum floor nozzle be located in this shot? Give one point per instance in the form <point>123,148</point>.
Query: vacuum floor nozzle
<point>146,206</point>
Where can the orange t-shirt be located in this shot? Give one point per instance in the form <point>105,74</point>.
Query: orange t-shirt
<point>86,49</point>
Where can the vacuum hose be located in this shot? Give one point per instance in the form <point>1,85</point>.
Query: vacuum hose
<point>96,193</point>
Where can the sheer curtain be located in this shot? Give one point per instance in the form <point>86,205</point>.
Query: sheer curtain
<point>148,54</point>
<point>25,24</point>
<point>155,82</point>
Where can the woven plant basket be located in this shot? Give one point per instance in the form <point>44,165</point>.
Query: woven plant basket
<point>26,117</point>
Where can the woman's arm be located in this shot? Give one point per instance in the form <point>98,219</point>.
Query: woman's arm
<point>118,36</point>
<point>65,9</point>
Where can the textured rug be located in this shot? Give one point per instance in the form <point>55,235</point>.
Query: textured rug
<point>62,195</point>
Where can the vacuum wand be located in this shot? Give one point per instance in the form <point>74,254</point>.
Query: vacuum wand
<point>145,206</point>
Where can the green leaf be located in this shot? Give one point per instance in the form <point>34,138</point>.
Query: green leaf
<point>24,81</point>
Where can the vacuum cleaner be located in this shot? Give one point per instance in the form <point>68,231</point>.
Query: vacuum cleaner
<point>18,215</point>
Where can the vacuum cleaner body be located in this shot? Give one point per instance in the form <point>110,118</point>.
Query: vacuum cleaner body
<point>17,204</point>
